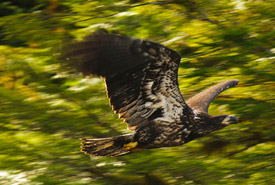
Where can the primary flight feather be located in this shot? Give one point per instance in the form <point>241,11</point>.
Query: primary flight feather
<point>142,85</point>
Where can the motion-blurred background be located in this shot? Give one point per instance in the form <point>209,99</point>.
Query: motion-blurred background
<point>44,110</point>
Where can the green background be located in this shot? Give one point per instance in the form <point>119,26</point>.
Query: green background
<point>44,109</point>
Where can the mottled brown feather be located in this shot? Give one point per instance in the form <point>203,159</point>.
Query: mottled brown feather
<point>135,71</point>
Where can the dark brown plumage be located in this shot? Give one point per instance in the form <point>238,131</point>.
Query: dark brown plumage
<point>142,85</point>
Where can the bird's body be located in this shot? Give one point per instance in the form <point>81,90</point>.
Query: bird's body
<point>142,85</point>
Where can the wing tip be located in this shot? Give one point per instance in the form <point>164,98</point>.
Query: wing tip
<point>235,81</point>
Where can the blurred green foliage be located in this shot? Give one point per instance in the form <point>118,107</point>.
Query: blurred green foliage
<point>44,110</point>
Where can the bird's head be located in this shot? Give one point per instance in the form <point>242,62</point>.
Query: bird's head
<point>228,120</point>
<point>223,121</point>
<point>207,124</point>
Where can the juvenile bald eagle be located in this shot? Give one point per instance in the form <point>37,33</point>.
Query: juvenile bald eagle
<point>142,85</point>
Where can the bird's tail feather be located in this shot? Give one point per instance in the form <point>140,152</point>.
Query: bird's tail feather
<point>112,146</point>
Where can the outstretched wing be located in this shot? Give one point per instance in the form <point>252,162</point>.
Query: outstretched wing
<point>202,100</point>
<point>141,76</point>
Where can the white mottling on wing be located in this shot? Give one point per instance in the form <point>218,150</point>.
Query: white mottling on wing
<point>196,117</point>
<point>148,104</point>
<point>186,131</point>
<point>148,89</point>
<point>145,54</point>
<point>152,51</point>
<point>146,113</point>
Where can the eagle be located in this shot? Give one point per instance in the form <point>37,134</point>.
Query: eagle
<point>142,85</point>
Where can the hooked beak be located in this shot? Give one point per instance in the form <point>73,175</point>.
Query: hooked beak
<point>229,120</point>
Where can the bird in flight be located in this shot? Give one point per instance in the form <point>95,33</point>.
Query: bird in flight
<point>142,85</point>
